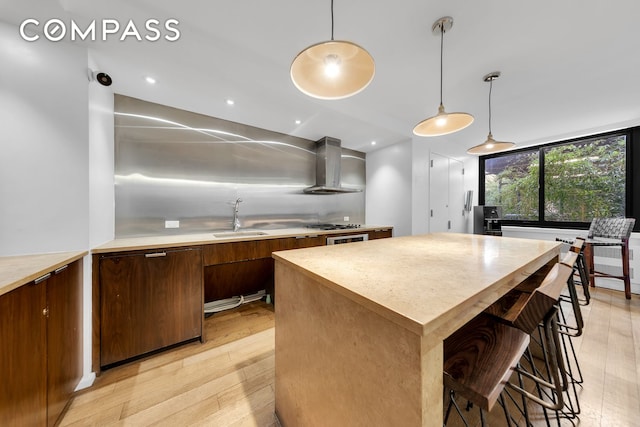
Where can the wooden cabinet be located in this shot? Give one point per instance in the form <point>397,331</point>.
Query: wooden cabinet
<point>23,393</point>
<point>64,337</point>
<point>41,341</point>
<point>149,300</point>
<point>309,241</point>
<point>144,301</point>
<point>241,268</point>
<point>381,233</point>
<point>220,253</point>
<point>237,278</point>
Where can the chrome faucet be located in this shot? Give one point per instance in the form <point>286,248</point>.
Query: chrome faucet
<point>236,220</point>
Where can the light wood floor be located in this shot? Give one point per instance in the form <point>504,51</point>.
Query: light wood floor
<point>228,381</point>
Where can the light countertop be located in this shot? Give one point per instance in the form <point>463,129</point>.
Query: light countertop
<point>157,242</point>
<point>423,282</point>
<point>19,270</point>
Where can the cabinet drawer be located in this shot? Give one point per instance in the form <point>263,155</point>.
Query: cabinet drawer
<point>220,253</point>
<point>380,234</point>
<point>282,244</point>
<point>310,241</point>
<point>295,243</point>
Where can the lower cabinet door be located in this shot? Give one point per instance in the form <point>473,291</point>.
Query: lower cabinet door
<point>149,301</point>
<point>23,380</point>
<point>64,337</point>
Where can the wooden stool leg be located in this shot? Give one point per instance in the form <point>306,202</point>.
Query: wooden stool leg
<point>625,269</point>
<point>588,255</point>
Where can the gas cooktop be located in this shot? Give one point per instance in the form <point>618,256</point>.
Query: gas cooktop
<point>334,226</point>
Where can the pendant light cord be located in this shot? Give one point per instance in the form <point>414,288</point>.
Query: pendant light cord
<point>331,20</point>
<point>490,88</point>
<point>441,49</point>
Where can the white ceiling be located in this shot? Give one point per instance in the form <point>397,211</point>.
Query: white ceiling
<point>568,67</point>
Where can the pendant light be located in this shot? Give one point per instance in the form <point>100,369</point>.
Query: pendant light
<point>442,123</point>
<point>490,145</point>
<point>332,69</point>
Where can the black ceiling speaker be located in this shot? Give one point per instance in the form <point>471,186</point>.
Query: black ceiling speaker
<point>103,78</point>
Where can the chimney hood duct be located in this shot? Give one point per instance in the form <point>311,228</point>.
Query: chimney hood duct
<point>328,168</point>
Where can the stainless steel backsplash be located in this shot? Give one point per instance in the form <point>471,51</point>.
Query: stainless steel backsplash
<point>175,165</point>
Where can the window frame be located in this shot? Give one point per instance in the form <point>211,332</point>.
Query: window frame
<point>632,205</point>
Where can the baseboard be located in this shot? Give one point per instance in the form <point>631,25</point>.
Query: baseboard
<point>86,381</point>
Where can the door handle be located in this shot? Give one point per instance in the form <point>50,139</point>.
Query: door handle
<point>61,269</point>
<point>42,278</point>
<point>155,255</point>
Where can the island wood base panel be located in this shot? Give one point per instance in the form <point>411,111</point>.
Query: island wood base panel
<point>345,364</point>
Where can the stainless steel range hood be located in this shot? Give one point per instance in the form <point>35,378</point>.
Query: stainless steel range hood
<point>328,168</point>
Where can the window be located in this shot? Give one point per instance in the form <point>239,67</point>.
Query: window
<point>511,181</point>
<point>564,184</point>
<point>584,180</point>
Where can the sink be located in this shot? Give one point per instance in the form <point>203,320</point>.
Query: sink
<point>232,234</point>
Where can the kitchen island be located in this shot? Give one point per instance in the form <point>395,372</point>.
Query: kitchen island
<point>360,327</point>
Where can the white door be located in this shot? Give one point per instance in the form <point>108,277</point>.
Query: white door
<point>446,195</point>
<point>456,196</point>
<point>438,193</point>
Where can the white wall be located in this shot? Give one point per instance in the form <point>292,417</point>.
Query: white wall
<point>44,163</point>
<point>101,162</point>
<point>420,197</point>
<point>389,188</point>
<point>101,198</point>
<point>56,166</point>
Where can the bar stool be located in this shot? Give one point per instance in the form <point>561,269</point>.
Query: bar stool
<point>481,356</point>
<point>579,247</point>
<point>569,331</point>
<point>610,232</point>
<point>508,310</point>
<point>572,260</point>
<point>580,268</point>
<point>566,331</point>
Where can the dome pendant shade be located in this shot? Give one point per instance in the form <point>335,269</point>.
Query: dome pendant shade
<point>443,123</point>
<point>332,70</point>
<point>490,146</point>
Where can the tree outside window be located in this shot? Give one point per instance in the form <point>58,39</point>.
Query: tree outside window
<point>585,180</point>
<point>511,181</point>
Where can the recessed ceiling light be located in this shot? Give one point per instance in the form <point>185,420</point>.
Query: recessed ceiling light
<point>150,80</point>
<point>298,122</point>
<point>373,143</point>
<point>230,102</point>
